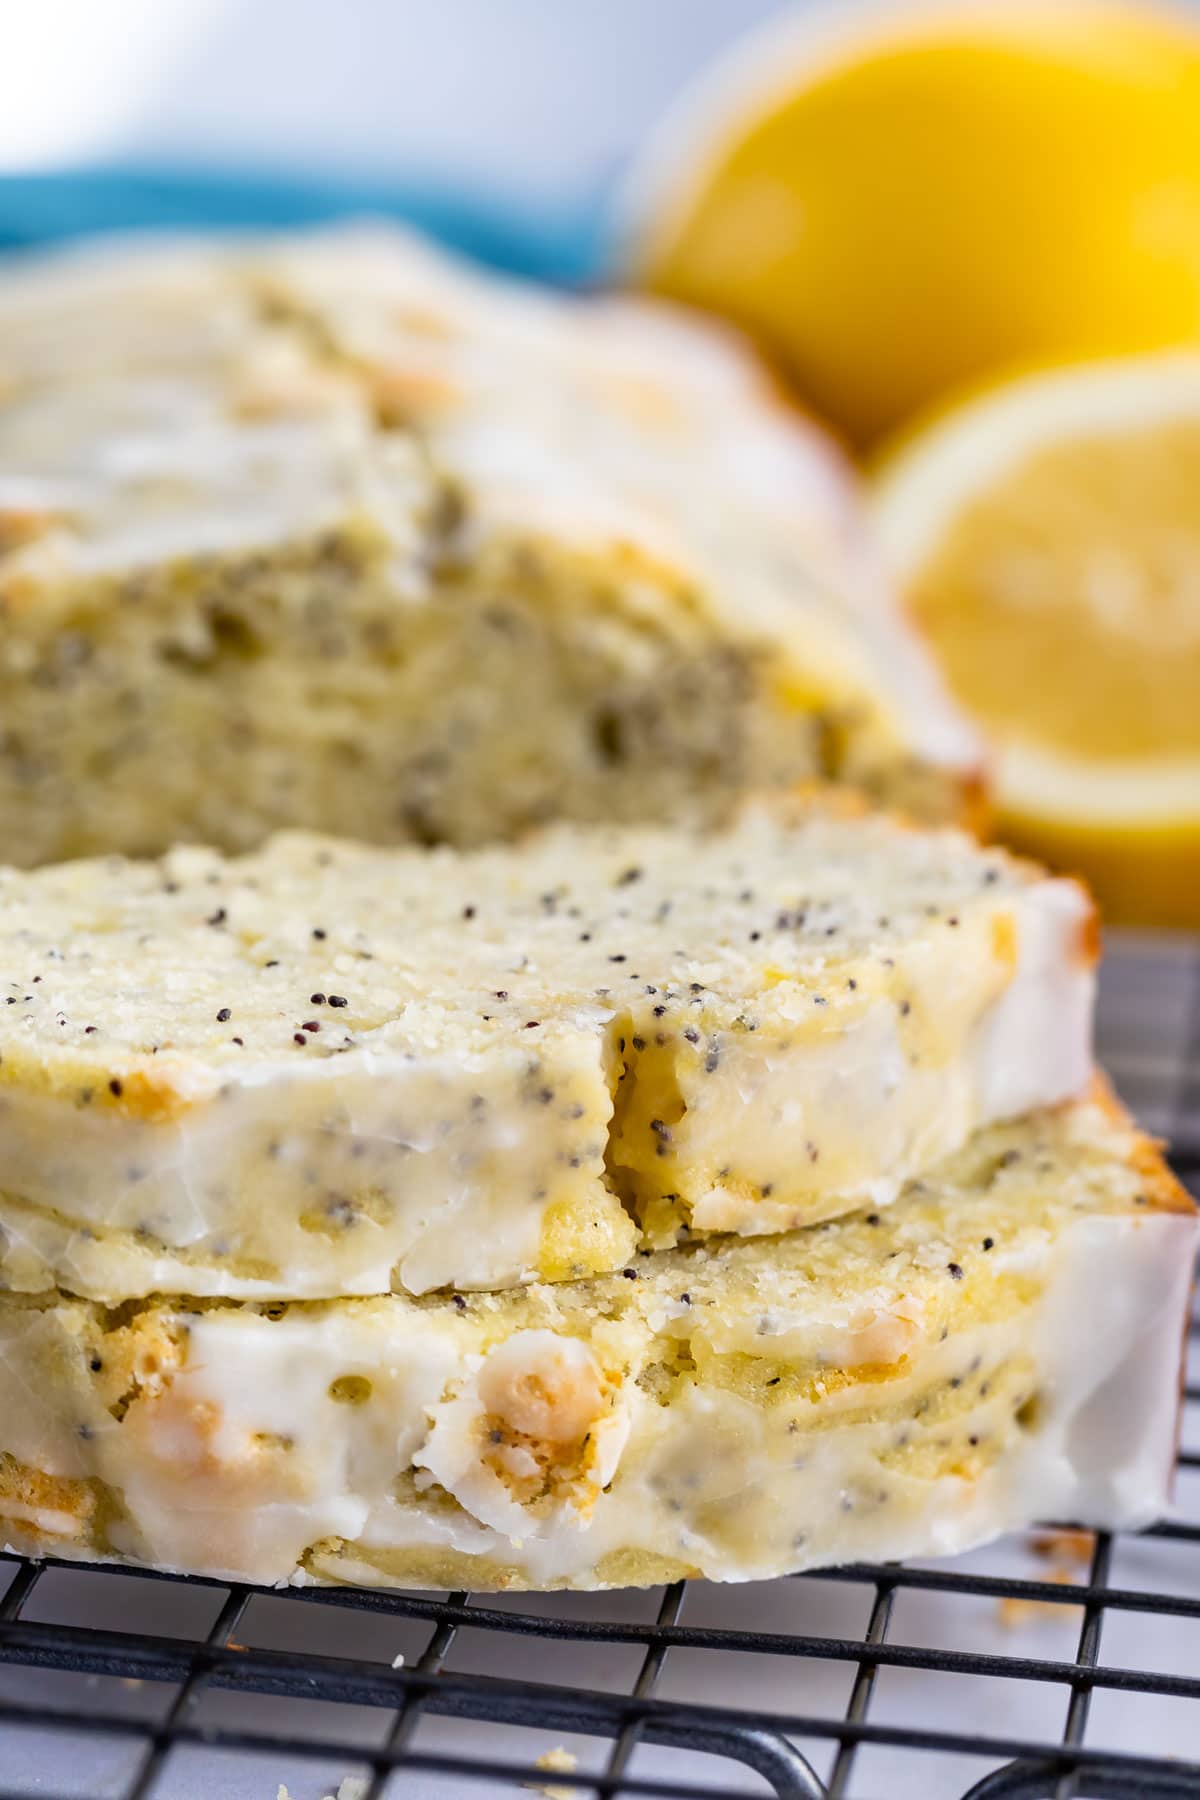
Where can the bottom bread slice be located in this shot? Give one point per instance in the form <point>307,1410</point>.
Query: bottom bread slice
<point>1001,1346</point>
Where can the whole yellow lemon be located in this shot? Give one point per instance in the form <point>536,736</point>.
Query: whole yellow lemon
<point>898,200</point>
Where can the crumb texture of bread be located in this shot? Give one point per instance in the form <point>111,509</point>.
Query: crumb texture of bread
<point>1001,1346</point>
<point>326,1068</point>
<point>334,532</point>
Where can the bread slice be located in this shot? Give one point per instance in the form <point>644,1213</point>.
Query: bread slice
<point>1000,1347</point>
<point>325,1068</point>
<point>336,533</point>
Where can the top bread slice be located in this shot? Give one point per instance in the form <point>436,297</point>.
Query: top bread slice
<point>327,1069</point>
<point>333,532</point>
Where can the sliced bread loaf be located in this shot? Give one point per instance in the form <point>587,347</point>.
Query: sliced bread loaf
<point>336,533</point>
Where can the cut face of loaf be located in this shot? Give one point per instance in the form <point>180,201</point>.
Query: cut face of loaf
<point>327,1069</point>
<point>336,533</point>
<point>1000,1347</point>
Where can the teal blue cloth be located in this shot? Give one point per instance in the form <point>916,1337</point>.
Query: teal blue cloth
<point>38,209</point>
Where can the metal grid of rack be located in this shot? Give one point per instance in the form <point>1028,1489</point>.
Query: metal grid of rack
<point>1061,1666</point>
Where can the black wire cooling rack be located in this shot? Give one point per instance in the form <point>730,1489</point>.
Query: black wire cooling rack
<point>1057,1666</point>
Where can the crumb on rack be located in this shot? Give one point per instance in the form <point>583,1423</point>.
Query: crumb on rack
<point>1065,1546</point>
<point>1068,1551</point>
<point>560,1761</point>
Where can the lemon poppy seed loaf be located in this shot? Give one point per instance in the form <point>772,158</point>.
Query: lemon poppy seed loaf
<point>1000,1346</point>
<point>327,1068</point>
<point>333,532</point>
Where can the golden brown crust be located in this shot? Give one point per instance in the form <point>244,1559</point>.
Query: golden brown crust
<point>1161,1189</point>
<point>978,813</point>
<point>1089,933</point>
<point>64,1504</point>
<point>148,1094</point>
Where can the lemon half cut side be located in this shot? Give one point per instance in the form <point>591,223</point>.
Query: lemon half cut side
<point>1046,534</point>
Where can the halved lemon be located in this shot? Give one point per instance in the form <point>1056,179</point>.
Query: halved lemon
<point>898,199</point>
<point>1047,536</point>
